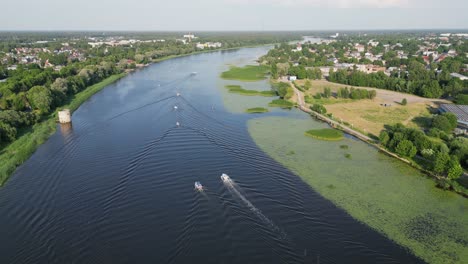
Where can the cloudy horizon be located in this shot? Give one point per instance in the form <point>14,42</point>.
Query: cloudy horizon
<point>233,15</point>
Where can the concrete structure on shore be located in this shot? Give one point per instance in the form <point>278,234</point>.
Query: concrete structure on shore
<point>64,116</point>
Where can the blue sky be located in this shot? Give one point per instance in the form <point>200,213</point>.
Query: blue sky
<point>197,15</point>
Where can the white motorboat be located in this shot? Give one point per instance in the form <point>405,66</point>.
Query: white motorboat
<point>198,186</point>
<point>225,178</point>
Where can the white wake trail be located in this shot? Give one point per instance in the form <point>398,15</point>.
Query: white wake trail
<point>232,187</point>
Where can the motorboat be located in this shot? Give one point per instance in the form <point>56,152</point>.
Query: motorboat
<point>198,186</point>
<point>193,73</point>
<point>225,178</point>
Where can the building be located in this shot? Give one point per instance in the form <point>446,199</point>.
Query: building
<point>359,47</point>
<point>459,76</point>
<point>292,78</point>
<point>461,111</point>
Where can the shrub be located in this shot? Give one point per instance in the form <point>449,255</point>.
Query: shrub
<point>404,101</point>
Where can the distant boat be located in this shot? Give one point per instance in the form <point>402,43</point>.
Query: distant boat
<point>198,186</point>
<point>225,178</point>
<point>193,73</point>
<point>177,124</point>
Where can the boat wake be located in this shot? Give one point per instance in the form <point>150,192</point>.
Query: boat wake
<point>233,188</point>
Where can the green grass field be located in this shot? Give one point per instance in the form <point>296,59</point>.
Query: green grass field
<point>256,110</point>
<point>239,90</point>
<point>325,134</point>
<point>281,103</point>
<point>246,73</point>
<point>25,145</point>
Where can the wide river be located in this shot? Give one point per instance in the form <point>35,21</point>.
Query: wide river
<point>118,186</point>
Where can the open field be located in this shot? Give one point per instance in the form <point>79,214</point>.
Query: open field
<point>370,116</point>
<point>246,73</point>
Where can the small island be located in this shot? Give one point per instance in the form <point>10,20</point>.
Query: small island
<point>325,134</point>
<point>239,90</point>
<point>249,73</point>
<point>257,110</point>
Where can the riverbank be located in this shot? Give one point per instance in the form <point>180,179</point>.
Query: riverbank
<point>31,138</point>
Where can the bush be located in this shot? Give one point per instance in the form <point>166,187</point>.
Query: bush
<point>318,108</point>
<point>404,101</point>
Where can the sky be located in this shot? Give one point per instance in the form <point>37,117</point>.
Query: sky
<point>232,15</point>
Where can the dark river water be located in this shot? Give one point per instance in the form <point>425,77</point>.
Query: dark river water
<point>118,186</point>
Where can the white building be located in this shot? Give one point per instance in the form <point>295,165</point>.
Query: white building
<point>459,76</point>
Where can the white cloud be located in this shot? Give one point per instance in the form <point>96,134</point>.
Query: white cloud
<point>328,3</point>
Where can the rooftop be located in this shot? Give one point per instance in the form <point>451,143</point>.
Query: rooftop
<point>461,111</point>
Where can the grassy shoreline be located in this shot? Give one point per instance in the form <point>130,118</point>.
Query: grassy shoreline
<point>24,146</point>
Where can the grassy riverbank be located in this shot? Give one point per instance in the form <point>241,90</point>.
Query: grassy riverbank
<point>31,138</point>
<point>325,134</point>
<point>385,194</point>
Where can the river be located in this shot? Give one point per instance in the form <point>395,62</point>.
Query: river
<point>118,185</point>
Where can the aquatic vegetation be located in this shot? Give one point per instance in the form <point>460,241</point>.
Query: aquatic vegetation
<point>325,134</point>
<point>246,73</point>
<point>344,146</point>
<point>281,103</point>
<point>256,110</point>
<point>239,90</point>
<point>347,155</point>
<point>385,194</point>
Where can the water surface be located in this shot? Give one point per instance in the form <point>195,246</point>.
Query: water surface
<point>118,188</point>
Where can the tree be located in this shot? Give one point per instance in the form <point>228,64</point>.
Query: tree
<point>452,118</point>
<point>442,123</point>
<point>318,108</point>
<point>40,99</point>
<point>406,148</point>
<point>384,138</point>
<point>7,132</point>
<point>274,71</point>
<point>307,85</point>
<point>404,101</point>
<point>440,162</point>
<point>326,92</point>
<point>454,170</point>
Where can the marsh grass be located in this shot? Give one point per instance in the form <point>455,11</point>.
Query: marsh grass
<point>246,73</point>
<point>325,134</point>
<point>239,90</point>
<point>257,110</point>
<point>385,194</point>
<point>281,103</point>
